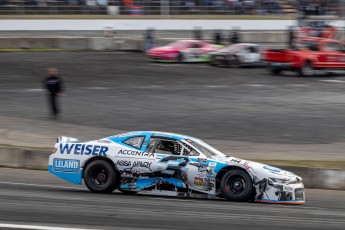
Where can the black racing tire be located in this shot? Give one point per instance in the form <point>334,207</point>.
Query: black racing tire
<point>180,58</point>
<point>127,192</point>
<point>306,70</point>
<point>100,177</point>
<point>233,62</point>
<point>213,61</point>
<point>275,70</point>
<point>237,185</point>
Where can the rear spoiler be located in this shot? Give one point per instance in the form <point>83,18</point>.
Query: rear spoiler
<point>65,139</point>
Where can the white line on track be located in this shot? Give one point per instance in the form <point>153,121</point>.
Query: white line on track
<point>34,90</point>
<point>20,226</point>
<point>216,86</point>
<point>255,85</point>
<point>333,81</point>
<point>95,88</point>
<point>298,85</point>
<point>39,185</point>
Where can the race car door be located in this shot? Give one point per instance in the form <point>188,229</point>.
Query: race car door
<point>181,165</point>
<point>194,51</point>
<point>169,163</point>
<point>250,54</point>
<point>335,54</point>
<point>200,170</point>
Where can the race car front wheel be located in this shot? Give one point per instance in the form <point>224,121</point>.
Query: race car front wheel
<point>100,177</point>
<point>307,70</point>
<point>180,58</point>
<point>213,61</point>
<point>236,185</point>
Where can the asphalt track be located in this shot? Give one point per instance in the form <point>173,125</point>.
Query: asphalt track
<point>124,91</point>
<point>38,198</point>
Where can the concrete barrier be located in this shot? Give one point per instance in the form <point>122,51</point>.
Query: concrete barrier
<point>101,44</point>
<point>25,42</point>
<point>23,158</point>
<point>143,24</point>
<point>38,159</point>
<point>320,178</point>
<point>264,37</point>
<point>70,43</point>
<point>116,43</point>
<point>73,43</point>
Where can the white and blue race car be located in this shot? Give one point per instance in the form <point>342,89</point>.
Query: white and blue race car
<point>237,55</point>
<point>170,164</point>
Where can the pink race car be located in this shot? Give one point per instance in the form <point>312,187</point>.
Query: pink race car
<point>183,51</point>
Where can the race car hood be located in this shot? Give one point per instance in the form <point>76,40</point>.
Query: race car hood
<point>221,51</point>
<point>162,49</point>
<point>259,169</point>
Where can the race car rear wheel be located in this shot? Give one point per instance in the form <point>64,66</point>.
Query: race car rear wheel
<point>233,61</point>
<point>236,185</point>
<point>100,177</point>
<point>307,70</point>
<point>275,70</point>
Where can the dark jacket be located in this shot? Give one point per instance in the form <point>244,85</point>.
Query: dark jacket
<point>53,84</point>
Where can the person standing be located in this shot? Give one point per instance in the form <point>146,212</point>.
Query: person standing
<point>217,37</point>
<point>148,39</point>
<point>291,37</point>
<point>234,35</point>
<point>54,87</point>
<point>197,33</point>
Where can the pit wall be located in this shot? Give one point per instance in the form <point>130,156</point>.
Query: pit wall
<point>38,159</point>
<point>141,24</point>
<point>112,42</point>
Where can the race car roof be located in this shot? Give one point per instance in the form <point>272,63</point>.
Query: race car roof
<point>155,133</point>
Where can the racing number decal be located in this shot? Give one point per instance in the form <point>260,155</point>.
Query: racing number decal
<point>182,161</point>
<point>176,164</point>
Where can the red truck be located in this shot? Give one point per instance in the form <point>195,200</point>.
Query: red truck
<point>309,55</point>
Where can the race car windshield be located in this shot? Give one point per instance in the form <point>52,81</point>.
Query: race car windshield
<point>253,49</point>
<point>206,149</point>
<point>234,48</point>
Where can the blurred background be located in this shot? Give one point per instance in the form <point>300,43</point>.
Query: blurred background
<point>174,7</point>
<point>156,65</point>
